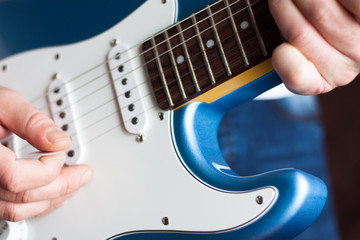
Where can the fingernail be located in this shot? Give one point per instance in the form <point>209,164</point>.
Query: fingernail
<point>86,177</point>
<point>55,135</point>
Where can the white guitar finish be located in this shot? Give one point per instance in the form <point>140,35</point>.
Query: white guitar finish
<point>13,230</point>
<point>136,184</point>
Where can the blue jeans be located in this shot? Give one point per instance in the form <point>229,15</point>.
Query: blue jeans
<point>260,136</point>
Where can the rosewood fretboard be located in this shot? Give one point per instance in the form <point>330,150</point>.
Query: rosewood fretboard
<point>208,48</point>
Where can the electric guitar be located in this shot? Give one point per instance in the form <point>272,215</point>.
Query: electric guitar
<point>143,102</point>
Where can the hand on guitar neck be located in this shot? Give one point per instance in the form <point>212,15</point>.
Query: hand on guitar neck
<point>31,187</point>
<point>323,50</point>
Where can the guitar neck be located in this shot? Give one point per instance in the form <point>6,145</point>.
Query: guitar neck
<point>209,48</point>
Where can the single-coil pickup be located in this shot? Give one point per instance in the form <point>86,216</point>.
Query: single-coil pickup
<point>62,115</point>
<point>126,88</point>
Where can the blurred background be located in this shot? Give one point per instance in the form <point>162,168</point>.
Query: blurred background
<point>341,118</point>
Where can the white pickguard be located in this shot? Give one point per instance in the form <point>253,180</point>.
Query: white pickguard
<point>136,184</point>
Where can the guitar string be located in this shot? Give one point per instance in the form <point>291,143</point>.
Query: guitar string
<point>115,112</point>
<point>112,113</point>
<point>125,75</point>
<point>138,45</point>
<point>138,67</point>
<point>140,99</point>
<point>148,95</point>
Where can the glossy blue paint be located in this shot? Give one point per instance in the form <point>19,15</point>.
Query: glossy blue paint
<point>32,24</point>
<point>301,196</point>
<point>26,25</point>
<point>187,7</point>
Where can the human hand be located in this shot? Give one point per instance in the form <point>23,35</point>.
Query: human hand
<point>34,187</point>
<point>323,48</point>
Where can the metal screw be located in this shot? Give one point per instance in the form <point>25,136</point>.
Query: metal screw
<point>59,102</point>
<point>57,56</point>
<point>128,94</point>
<point>134,120</point>
<point>71,153</point>
<point>65,127</point>
<point>165,221</point>
<point>161,116</point>
<point>259,200</point>
<point>131,107</point>
<point>115,42</point>
<point>124,81</point>
<point>56,76</point>
<point>4,67</point>
<point>163,1</point>
<point>140,138</point>
<point>62,115</point>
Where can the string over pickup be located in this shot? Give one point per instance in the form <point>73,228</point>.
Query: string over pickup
<point>60,107</point>
<point>127,90</point>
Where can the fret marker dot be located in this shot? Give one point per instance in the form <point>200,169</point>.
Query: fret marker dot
<point>244,25</point>
<point>210,43</point>
<point>180,59</point>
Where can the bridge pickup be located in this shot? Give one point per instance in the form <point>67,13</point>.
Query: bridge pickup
<point>127,90</point>
<point>60,107</point>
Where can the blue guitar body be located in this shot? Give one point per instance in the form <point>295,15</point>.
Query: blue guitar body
<point>187,191</point>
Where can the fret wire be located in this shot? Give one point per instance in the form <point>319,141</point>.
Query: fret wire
<point>203,52</point>
<point>187,58</point>
<point>257,32</point>
<point>236,33</point>
<point>174,65</point>
<point>219,44</point>
<point>162,75</point>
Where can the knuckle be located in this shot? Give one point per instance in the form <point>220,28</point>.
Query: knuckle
<point>66,188</point>
<point>322,14</point>
<point>24,197</point>
<point>35,119</point>
<point>299,36</point>
<point>11,182</point>
<point>11,213</point>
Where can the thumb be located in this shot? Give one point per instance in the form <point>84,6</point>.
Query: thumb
<point>20,117</point>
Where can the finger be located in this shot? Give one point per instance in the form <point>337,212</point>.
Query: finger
<point>55,204</point>
<point>15,212</point>
<point>17,175</point>
<point>26,121</point>
<point>335,24</point>
<point>352,6</point>
<point>299,74</point>
<point>4,132</point>
<point>69,181</point>
<point>334,67</point>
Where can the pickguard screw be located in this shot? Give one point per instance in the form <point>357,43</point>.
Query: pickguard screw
<point>259,200</point>
<point>114,42</point>
<point>165,221</point>
<point>140,138</point>
<point>163,1</point>
<point>56,76</point>
<point>4,67</point>
<point>71,153</point>
<point>57,56</point>
<point>161,116</point>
